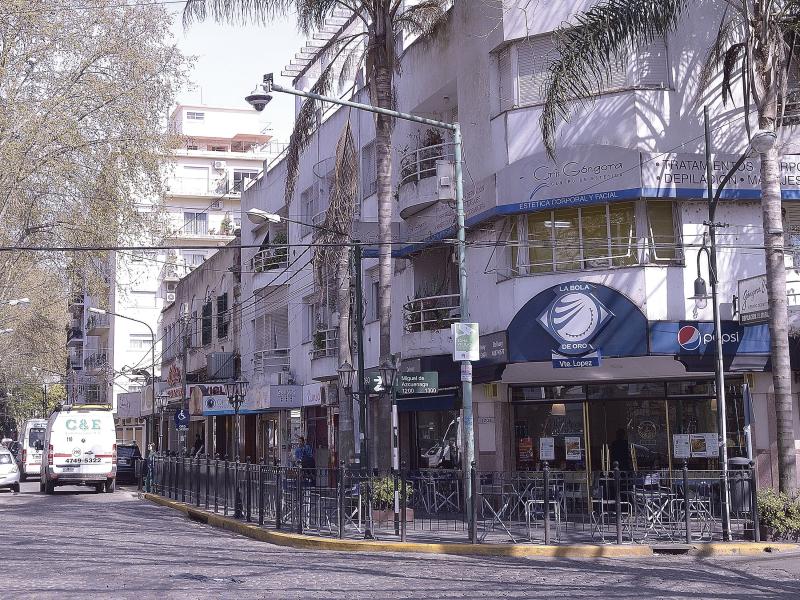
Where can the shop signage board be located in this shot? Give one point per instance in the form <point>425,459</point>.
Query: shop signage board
<point>285,396</point>
<point>577,320</point>
<point>466,341</point>
<point>493,348</point>
<point>696,338</point>
<point>753,300</point>
<point>414,384</point>
<point>202,395</point>
<point>680,175</point>
<point>312,394</point>
<point>129,405</point>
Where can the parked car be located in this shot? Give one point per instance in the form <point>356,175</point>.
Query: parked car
<point>9,472</point>
<point>127,455</point>
<point>31,444</point>
<point>81,449</point>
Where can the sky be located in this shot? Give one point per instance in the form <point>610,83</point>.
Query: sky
<point>231,60</point>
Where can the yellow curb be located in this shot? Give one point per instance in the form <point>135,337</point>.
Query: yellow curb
<point>741,548</point>
<point>306,542</point>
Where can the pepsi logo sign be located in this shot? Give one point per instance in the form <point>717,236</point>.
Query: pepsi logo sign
<point>689,337</point>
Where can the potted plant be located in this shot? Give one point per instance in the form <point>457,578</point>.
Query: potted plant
<point>779,515</point>
<point>382,498</point>
<point>226,226</point>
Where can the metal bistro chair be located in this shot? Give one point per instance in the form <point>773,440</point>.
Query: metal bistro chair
<point>534,506</point>
<point>497,501</point>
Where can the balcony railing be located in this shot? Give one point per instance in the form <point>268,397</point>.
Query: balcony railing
<point>74,336</point>
<point>325,343</point>
<point>97,359</point>
<point>421,163</point>
<point>199,187</point>
<point>271,361</point>
<point>270,258</point>
<point>431,313</point>
<point>97,322</point>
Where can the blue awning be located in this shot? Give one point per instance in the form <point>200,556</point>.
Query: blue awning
<point>444,401</point>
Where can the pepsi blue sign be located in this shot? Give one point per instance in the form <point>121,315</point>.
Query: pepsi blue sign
<point>577,319</point>
<point>697,338</point>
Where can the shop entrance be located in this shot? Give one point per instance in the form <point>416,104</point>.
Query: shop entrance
<point>270,444</point>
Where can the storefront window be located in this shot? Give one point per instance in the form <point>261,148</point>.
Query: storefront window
<point>549,431</point>
<point>439,439</point>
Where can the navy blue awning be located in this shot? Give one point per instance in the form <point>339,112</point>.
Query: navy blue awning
<point>443,401</point>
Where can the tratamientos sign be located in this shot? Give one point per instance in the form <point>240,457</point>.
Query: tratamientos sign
<point>413,384</point>
<point>753,300</point>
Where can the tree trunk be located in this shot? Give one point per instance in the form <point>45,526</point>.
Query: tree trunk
<point>778,318</point>
<point>383,139</point>
<point>346,440</point>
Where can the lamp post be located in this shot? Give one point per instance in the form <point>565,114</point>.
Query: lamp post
<point>160,402</point>
<point>259,99</point>
<point>760,142</point>
<point>101,311</point>
<point>236,391</point>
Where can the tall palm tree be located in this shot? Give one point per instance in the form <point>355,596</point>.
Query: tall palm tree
<point>370,42</point>
<point>754,44</point>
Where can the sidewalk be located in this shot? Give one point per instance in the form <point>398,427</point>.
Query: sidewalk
<point>293,540</point>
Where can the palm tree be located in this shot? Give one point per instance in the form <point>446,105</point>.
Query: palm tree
<point>755,44</point>
<point>370,41</point>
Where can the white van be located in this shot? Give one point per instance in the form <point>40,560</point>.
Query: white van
<point>81,443</point>
<point>31,444</point>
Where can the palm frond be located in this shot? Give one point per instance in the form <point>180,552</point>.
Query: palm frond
<point>421,19</point>
<point>237,12</point>
<point>590,46</point>
<point>729,62</point>
<point>729,32</point>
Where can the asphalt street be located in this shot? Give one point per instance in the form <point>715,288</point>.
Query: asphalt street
<point>79,544</point>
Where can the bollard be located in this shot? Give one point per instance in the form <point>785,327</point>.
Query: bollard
<point>197,479</point>
<point>248,492</point>
<point>261,468</point>
<point>403,501</point>
<point>618,500</point>
<point>473,510</point>
<point>546,506</point>
<point>687,514</point>
<point>183,478</point>
<point>208,478</point>
<point>754,505</point>
<point>216,483</point>
<point>278,497</point>
<point>396,507</point>
<point>340,500</point>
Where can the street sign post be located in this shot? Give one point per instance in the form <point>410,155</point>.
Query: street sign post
<point>181,420</point>
<point>412,384</point>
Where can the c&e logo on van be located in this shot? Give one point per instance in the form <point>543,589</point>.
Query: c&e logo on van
<point>82,424</point>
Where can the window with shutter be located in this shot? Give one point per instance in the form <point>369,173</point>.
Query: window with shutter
<point>652,65</point>
<point>506,76</point>
<point>223,316</point>
<point>208,323</point>
<point>534,55</point>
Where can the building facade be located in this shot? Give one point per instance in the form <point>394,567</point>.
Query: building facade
<point>580,269</point>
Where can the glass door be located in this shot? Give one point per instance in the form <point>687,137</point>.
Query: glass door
<point>270,440</point>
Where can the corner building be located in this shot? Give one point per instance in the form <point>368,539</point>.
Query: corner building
<point>580,269</point>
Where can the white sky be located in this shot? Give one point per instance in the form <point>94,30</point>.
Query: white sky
<point>230,60</point>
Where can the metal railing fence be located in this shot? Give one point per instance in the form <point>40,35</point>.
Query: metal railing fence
<point>545,507</point>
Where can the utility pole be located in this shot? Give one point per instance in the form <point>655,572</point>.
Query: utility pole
<point>363,394</point>
<point>184,361</point>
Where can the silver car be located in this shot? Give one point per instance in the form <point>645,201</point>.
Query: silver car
<point>9,472</point>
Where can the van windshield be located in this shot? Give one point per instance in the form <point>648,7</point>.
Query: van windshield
<point>35,435</point>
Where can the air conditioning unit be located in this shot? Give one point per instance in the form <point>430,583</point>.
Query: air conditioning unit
<point>170,296</point>
<point>216,204</point>
<point>219,164</point>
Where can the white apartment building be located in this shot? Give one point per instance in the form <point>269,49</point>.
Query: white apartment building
<point>607,235</point>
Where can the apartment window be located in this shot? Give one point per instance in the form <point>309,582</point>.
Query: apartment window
<point>369,170</point>
<point>309,205</point>
<point>195,223</point>
<point>374,295</point>
<point>523,68</point>
<point>309,320</point>
<point>664,241</point>
<point>141,299</point>
<point>223,316</point>
<point>242,178</point>
<point>139,341</point>
<point>207,323</point>
<point>193,259</point>
<point>191,147</point>
<point>195,115</point>
<point>218,148</point>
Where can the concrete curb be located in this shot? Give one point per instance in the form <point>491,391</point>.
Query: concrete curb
<point>306,542</point>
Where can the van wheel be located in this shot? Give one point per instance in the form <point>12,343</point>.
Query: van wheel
<point>99,488</point>
<point>111,485</point>
<point>15,488</point>
<point>49,488</point>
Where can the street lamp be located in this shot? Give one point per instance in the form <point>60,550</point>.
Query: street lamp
<point>101,311</point>
<point>761,142</point>
<point>262,95</point>
<point>236,391</point>
<point>161,402</point>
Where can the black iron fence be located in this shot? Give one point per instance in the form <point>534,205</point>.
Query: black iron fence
<point>549,507</point>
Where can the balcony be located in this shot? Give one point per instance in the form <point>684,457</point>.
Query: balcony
<point>431,313</point>
<point>96,360</point>
<point>419,184</point>
<point>188,186</point>
<point>97,324</point>
<point>324,353</point>
<point>269,259</point>
<point>170,272</point>
<point>271,361</point>
<point>74,361</point>
<point>74,337</point>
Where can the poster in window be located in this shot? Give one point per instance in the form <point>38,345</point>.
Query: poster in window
<point>525,449</point>
<point>547,450</point>
<point>704,445</point>
<point>573,447</point>
<point>680,445</point>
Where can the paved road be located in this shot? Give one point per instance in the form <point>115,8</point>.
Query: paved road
<point>78,544</point>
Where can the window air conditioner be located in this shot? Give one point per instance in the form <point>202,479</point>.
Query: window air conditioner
<point>219,164</point>
<point>170,296</point>
<point>216,204</point>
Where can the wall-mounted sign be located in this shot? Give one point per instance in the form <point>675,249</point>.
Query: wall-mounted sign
<point>466,341</point>
<point>181,420</point>
<point>202,395</point>
<point>696,338</point>
<point>494,348</point>
<point>411,384</point>
<point>312,394</point>
<point>753,300</point>
<point>577,319</point>
<point>285,396</point>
